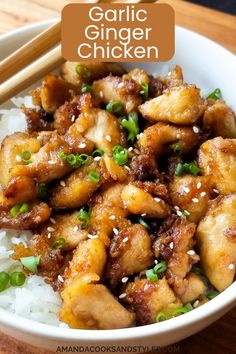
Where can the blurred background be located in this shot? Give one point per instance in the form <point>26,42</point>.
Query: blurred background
<point>221,5</point>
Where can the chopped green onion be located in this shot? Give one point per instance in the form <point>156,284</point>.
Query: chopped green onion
<point>151,275</point>
<point>162,316</point>
<point>94,176</point>
<point>31,263</point>
<point>143,222</point>
<point>176,147</point>
<point>58,243</point>
<point>114,106</point>
<point>84,216</point>
<point>120,155</point>
<point>26,157</point>
<point>185,214</point>
<point>98,152</point>
<point>74,160</point>
<point>187,168</point>
<point>14,211</point>
<point>17,279</point>
<point>43,192</point>
<point>145,91</point>
<point>211,294</point>
<point>83,71</point>
<point>197,270</point>
<point>86,88</point>
<point>216,94</point>
<point>160,267</point>
<point>24,208</point>
<point>19,209</point>
<point>181,310</point>
<point>4,280</point>
<point>131,125</point>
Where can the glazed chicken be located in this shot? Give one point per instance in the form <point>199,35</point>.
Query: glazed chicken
<point>128,182</point>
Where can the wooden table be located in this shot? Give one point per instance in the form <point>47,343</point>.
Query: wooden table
<point>219,338</point>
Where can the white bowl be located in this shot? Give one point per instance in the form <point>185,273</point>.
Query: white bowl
<point>209,66</point>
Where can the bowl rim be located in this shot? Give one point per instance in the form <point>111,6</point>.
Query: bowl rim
<point>214,307</point>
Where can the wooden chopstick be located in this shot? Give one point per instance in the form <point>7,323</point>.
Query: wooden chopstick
<point>30,51</point>
<point>32,73</point>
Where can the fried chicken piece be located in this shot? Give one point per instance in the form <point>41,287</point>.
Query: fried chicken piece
<point>137,201</point>
<point>138,75</point>
<point>174,78</point>
<point>46,164</point>
<point>130,252</point>
<point>159,138</point>
<point>219,119</point>
<point>174,241</point>
<point>115,171</point>
<point>37,215</point>
<point>89,257</point>
<point>37,120</point>
<point>144,166</point>
<point>89,305</point>
<point>11,151</point>
<point>116,88</point>
<point>195,288</point>
<point>100,127</point>
<point>78,188</point>
<point>88,71</point>
<point>19,190</point>
<point>66,114</point>
<point>192,194</point>
<point>53,93</point>
<point>147,298</point>
<point>216,239</point>
<point>217,159</point>
<point>107,211</point>
<point>179,105</point>
<point>67,226</point>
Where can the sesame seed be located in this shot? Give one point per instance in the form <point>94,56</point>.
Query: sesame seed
<point>125,279</point>
<point>62,183</point>
<point>127,168</point>
<point>125,239</point>
<point>76,228</point>
<point>53,221</point>
<point>97,158</point>
<point>49,235</point>
<point>82,145</point>
<point>115,231</point>
<point>215,190</point>
<point>191,252</point>
<point>130,148</point>
<point>144,214</point>
<point>186,189</point>
<point>101,94</point>
<point>171,245</point>
<point>199,185</point>
<point>60,278</point>
<point>51,162</point>
<point>50,229</point>
<point>112,217</point>
<point>141,135</point>
<point>195,200</point>
<point>179,213</point>
<point>176,207</point>
<point>141,92</point>
<point>178,136</point>
<point>18,158</point>
<point>196,303</point>
<point>120,85</point>
<point>186,212</point>
<point>121,296</point>
<point>92,236</point>
<point>108,138</point>
<point>156,261</point>
<point>231,266</point>
<point>73,118</point>
<point>195,129</point>
<point>203,194</point>
<point>157,200</point>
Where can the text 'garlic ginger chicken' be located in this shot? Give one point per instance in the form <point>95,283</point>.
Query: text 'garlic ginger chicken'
<point>128,182</point>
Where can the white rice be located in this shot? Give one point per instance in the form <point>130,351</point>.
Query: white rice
<point>35,300</point>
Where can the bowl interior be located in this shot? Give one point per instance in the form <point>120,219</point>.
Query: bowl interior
<point>209,66</point>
